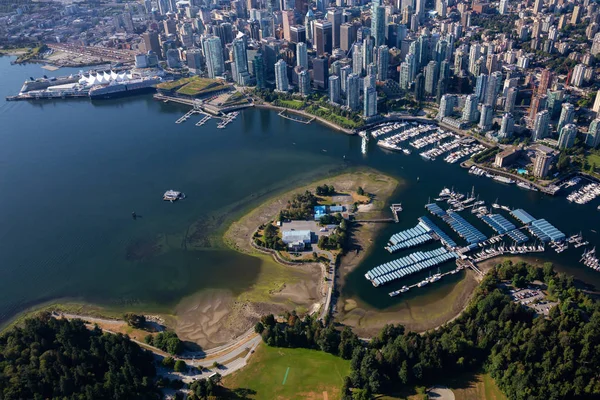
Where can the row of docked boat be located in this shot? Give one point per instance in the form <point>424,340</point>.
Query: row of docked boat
<point>572,182</point>
<point>577,240</point>
<point>586,194</point>
<point>430,139</point>
<point>590,260</point>
<point>441,148</point>
<point>465,151</point>
<point>386,128</point>
<point>499,178</point>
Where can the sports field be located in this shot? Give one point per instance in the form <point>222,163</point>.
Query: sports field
<point>279,373</point>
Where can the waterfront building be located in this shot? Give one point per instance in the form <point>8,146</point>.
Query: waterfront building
<point>323,37</point>
<point>304,83</point>
<point>353,92</point>
<point>541,165</point>
<point>592,138</point>
<point>370,102</point>
<point>447,104</point>
<point>335,89</point>
<point>541,128</point>
<point>383,60</point>
<point>431,75</point>
<point>566,116</point>
<point>470,110</point>
<point>511,99</point>
<point>507,157</point>
<point>507,126</point>
<point>281,78</point>
<point>485,121</point>
<point>213,54</point>
<point>173,60</point>
<point>566,139</point>
<point>193,58</point>
<point>321,72</point>
<point>420,87</point>
<point>302,55</point>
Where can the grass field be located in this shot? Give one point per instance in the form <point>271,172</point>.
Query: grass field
<point>279,373</point>
<point>594,159</point>
<point>200,85</point>
<point>295,104</point>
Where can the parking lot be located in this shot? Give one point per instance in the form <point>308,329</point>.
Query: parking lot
<point>533,298</point>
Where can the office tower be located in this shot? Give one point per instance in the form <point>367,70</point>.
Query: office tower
<point>213,54</point>
<point>288,22</point>
<point>383,61</point>
<point>258,67</point>
<point>485,121</point>
<point>225,32</point>
<point>541,126</point>
<point>566,116</point>
<point>170,26</point>
<point>578,75</point>
<point>281,78</point>
<point>404,76</point>
<point>447,104</point>
<point>503,9</point>
<point>344,72</point>
<point>302,55</point>
<point>297,34</point>
<point>323,37</point>
<point>592,138</point>
<point>431,76</point>
<point>441,8</point>
<point>194,60</point>
<point>511,99</point>
<point>367,52</point>
<point>151,42</point>
<point>321,72</point>
<point>347,36</point>
<point>335,89</point>
<point>370,102</point>
<point>545,82</point>
<point>424,51</point>
<point>541,164</point>
<point>493,88</point>
<point>309,19</point>
<point>566,138</point>
<point>173,60</point>
<point>301,6</point>
<point>334,16</point>
<point>186,35</point>
<point>420,9</point>
<point>481,87</point>
<point>507,126</point>
<point>304,83</point>
<point>419,87</point>
<point>353,92</point>
<point>470,110</point>
<point>378,22</point>
<point>240,60</point>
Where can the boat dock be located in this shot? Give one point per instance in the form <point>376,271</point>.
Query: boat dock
<point>303,120</point>
<point>437,277</point>
<point>203,120</point>
<point>187,116</point>
<point>227,119</point>
<point>412,237</point>
<point>396,208</point>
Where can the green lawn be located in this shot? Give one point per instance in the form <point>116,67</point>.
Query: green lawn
<point>307,374</point>
<point>594,159</point>
<point>296,104</point>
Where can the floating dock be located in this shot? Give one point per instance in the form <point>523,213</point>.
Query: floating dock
<point>186,116</point>
<point>503,226</point>
<point>444,238</point>
<point>203,120</point>
<point>408,265</point>
<point>545,231</point>
<point>464,229</point>
<point>408,238</point>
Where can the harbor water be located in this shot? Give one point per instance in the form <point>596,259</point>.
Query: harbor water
<point>73,171</point>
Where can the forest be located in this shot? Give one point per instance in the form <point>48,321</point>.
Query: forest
<point>49,358</point>
<point>529,356</point>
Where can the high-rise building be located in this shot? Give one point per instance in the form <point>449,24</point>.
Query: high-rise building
<point>566,116</point>
<point>538,103</point>
<point>545,82</point>
<point>304,82</point>
<point>404,76</point>
<point>288,21</point>
<point>541,165</point>
<point>344,72</point>
<point>493,88</point>
<point>596,107</point>
<point>323,37</point>
<point>321,72</point>
<point>485,121</point>
<point>378,22</point>
<point>431,77</point>
<point>511,99</point>
<point>297,34</point>
<point>353,92</point>
<point>281,78</point>
<point>383,60</point>
<point>592,138</point>
<point>367,52</point>
<point>566,139</point>
<point>213,54</point>
<point>537,6</point>
<point>470,110</point>
<point>578,75</point>
<point>151,42</point>
<point>194,60</point>
<point>357,59</point>
<point>259,70</point>
<point>447,104</point>
<point>335,89</point>
<point>370,102</point>
<point>302,55</point>
<point>347,36</point>
<point>240,59</point>
<point>507,126</point>
<point>334,16</point>
<point>541,126</point>
<point>503,9</point>
<point>576,16</point>
<point>481,87</point>
<point>554,103</point>
<point>419,87</point>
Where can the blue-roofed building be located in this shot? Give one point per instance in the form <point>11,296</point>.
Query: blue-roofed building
<point>319,212</point>
<point>522,216</point>
<point>545,231</point>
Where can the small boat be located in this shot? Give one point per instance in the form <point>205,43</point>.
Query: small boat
<point>423,283</point>
<point>407,152</point>
<point>172,195</point>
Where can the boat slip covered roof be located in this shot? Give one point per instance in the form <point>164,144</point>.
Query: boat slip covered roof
<point>463,228</point>
<point>435,209</point>
<point>410,237</point>
<point>443,236</point>
<point>498,223</point>
<point>522,216</point>
<point>545,231</point>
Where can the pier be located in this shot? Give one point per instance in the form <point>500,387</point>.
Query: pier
<point>203,120</point>
<point>283,113</point>
<point>186,116</point>
<point>396,208</point>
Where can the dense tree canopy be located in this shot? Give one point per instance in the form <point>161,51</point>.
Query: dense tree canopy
<point>58,358</point>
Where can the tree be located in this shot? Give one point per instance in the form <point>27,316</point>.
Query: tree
<point>360,191</point>
<point>259,328</point>
<point>563,162</point>
<point>134,320</point>
<point>180,366</point>
<point>168,362</point>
